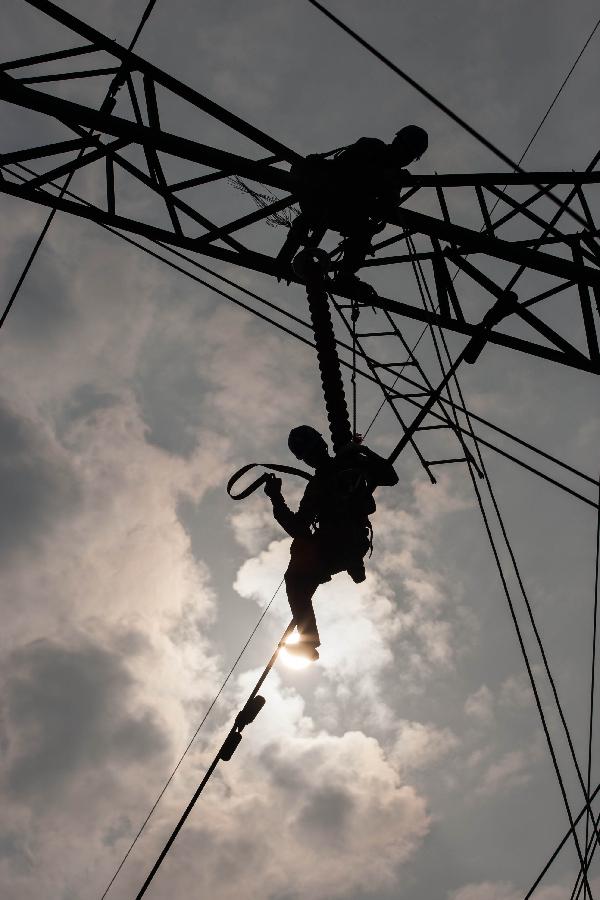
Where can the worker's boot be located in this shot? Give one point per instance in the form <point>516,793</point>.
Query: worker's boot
<point>350,284</point>
<point>304,649</point>
<point>296,237</point>
<point>357,572</point>
<point>285,256</point>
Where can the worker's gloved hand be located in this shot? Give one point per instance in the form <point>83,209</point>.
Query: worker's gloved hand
<point>272,486</point>
<point>352,448</point>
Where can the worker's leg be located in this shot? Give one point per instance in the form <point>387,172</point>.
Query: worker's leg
<point>359,542</point>
<point>296,237</point>
<point>356,247</point>
<point>316,235</point>
<point>346,547</point>
<point>300,592</point>
<point>302,579</point>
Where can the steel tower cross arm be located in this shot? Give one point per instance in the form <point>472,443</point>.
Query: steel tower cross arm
<point>68,111</point>
<point>260,262</point>
<point>492,179</point>
<point>578,268</point>
<point>510,251</point>
<point>133,62</point>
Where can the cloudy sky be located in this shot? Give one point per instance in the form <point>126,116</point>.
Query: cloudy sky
<point>410,762</point>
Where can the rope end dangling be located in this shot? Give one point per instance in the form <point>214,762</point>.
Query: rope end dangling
<point>354,314</point>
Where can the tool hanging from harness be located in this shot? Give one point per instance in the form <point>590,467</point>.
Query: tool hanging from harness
<point>352,503</point>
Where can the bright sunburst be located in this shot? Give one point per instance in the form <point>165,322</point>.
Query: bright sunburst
<point>290,659</point>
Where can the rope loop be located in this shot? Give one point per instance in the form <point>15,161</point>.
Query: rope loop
<point>272,467</point>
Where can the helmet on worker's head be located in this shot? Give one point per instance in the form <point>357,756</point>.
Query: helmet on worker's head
<point>410,142</point>
<point>305,441</point>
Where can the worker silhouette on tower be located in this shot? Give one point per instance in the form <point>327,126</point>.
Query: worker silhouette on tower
<point>331,530</point>
<point>354,193</point>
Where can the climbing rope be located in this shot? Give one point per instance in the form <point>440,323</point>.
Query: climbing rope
<point>174,771</point>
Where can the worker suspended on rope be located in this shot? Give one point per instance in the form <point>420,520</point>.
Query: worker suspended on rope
<point>352,194</point>
<point>331,530</point>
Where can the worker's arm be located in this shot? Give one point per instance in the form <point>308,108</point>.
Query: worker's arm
<point>294,523</point>
<point>378,470</point>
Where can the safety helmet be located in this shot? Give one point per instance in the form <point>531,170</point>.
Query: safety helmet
<point>303,437</point>
<point>412,138</point>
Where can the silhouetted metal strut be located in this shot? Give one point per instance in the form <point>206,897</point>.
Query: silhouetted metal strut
<point>128,141</point>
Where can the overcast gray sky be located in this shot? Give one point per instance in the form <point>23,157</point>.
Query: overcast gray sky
<point>410,762</point>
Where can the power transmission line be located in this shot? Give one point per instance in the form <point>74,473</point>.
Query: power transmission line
<point>294,334</point>
<point>191,741</point>
<point>436,102</point>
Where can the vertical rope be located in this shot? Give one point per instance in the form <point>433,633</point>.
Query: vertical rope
<point>354,317</point>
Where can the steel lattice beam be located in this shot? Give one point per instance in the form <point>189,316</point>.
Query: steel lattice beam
<point>111,141</point>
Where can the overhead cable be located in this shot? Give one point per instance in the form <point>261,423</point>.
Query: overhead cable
<point>536,632</point>
<point>294,334</point>
<point>521,158</point>
<point>226,751</point>
<point>553,102</point>
<point>440,105</point>
<point>191,741</point>
<point>560,846</point>
<point>593,677</point>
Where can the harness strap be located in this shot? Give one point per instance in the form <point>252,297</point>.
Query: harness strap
<point>273,467</point>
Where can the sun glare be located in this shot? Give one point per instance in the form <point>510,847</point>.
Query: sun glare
<point>289,659</point>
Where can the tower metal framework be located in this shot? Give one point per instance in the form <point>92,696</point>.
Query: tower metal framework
<point>540,254</point>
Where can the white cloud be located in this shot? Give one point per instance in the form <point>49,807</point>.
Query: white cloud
<point>357,622</point>
<point>436,500</point>
<point>110,358</point>
<point>253,524</point>
<point>259,576</point>
<point>430,610</point>
<point>105,641</point>
<point>501,890</point>
<point>421,745</point>
<point>515,692</point>
<point>486,890</point>
<point>480,705</point>
<point>253,377</point>
<point>291,791</point>
<point>512,770</point>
